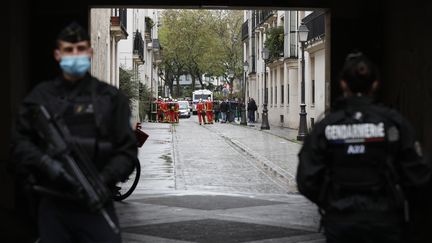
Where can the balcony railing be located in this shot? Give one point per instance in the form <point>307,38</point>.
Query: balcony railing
<point>138,48</point>
<point>157,51</point>
<point>315,22</point>
<point>120,19</point>
<point>119,23</point>
<point>253,61</point>
<point>156,44</point>
<point>245,30</point>
<point>253,54</point>
<point>259,16</point>
<point>253,19</point>
<point>123,17</point>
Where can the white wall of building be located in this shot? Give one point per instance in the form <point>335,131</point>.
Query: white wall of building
<point>317,73</point>
<point>100,41</point>
<point>125,47</point>
<point>285,73</point>
<point>146,73</point>
<point>125,52</point>
<point>111,54</point>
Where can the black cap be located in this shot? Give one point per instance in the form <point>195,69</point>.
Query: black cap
<point>73,33</point>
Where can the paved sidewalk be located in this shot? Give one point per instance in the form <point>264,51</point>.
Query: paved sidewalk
<point>283,132</point>
<point>274,150</point>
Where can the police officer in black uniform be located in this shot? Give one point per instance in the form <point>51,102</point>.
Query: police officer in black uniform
<point>361,163</point>
<point>97,115</point>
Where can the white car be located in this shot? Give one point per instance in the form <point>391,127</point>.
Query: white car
<point>184,109</point>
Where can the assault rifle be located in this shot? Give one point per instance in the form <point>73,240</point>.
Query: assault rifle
<point>92,191</point>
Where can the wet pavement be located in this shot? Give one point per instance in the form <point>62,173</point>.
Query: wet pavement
<point>216,183</point>
<point>156,158</point>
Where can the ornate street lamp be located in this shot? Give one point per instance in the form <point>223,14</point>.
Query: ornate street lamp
<point>302,132</point>
<point>265,124</point>
<point>243,106</point>
<point>231,115</point>
<point>231,81</point>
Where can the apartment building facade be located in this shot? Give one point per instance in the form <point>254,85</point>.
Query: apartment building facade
<point>127,39</point>
<point>279,77</point>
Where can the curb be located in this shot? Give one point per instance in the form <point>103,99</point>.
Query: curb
<point>281,175</point>
<point>279,136</point>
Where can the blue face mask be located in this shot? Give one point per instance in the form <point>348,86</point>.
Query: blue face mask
<point>76,66</point>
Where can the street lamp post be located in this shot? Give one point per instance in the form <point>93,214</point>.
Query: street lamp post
<point>231,80</point>
<point>302,132</point>
<point>231,115</point>
<point>265,124</point>
<point>243,106</point>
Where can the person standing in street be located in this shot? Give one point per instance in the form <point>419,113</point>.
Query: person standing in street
<point>216,110</point>
<point>251,108</point>
<point>209,110</point>
<point>362,164</point>
<point>224,110</point>
<point>171,111</point>
<point>98,118</point>
<point>200,108</point>
<point>177,111</point>
<point>159,109</point>
<point>232,104</point>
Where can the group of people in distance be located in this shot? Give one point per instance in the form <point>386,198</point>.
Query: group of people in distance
<point>205,111</point>
<point>167,110</point>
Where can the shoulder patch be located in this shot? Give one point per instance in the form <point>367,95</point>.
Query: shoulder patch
<point>393,134</point>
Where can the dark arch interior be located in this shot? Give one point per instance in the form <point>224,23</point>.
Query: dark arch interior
<point>394,34</point>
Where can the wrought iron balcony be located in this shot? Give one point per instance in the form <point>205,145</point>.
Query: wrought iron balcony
<point>118,23</point>
<point>138,48</point>
<point>245,30</point>
<point>157,51</point>
<point>315,22</point>
<point>260,16</point>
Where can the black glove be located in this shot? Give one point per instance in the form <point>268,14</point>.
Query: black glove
<point>107,178</point>
<point>56,172</point>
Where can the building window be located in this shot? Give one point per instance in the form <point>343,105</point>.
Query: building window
<point>282,94</point>
<point>288,94</point>
<point>293,33</point>
<point>254,51</point>
<point>271,95</point>
<point>313,92</point>
<point>312,73</point>
<point>275,92</point>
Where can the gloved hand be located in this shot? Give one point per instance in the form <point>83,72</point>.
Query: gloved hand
<point>107,178</point>
<point>56,172</point>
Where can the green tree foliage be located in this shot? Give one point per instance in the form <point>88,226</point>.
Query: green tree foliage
<point>128,85</point>
<point>149,23</point>
<point>135,91</point>
<point>275,42</point>
<point>228,29</point>
<point>199,42</point>
<point>218,96</point>
<point>144,100</point>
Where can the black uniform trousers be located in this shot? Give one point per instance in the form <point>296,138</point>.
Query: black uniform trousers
<point>370,231</point>
<point>67,223</point>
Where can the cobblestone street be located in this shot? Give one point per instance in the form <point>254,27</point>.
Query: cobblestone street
<point>217,183</point>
